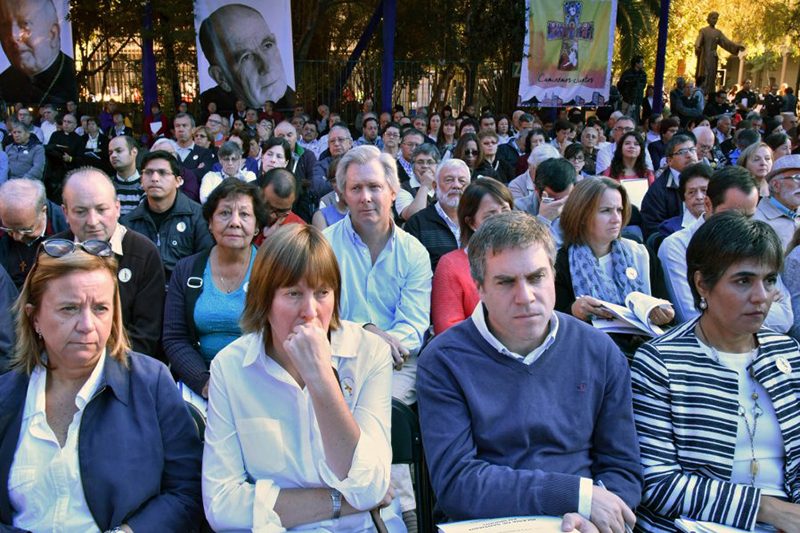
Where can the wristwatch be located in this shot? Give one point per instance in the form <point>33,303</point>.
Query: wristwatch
<point>336,503</point>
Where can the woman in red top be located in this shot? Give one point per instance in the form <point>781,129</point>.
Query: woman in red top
<point>454,294</point>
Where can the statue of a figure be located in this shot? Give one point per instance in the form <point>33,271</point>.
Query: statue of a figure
<point>706,49</point>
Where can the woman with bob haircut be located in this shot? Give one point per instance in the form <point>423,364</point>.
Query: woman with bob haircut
<point>300,406</point>
<point>207,290</point>
<point>596,263</point>
<point>454,294</point>
<point>93,437</point>
<point>715,399</point>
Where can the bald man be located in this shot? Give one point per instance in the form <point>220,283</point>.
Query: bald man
<point>244,60</point>
<point>302,166</point>
<point>26,217</point>
<point>30,36</point>
<point>707,150</point>
<point>92,209</point>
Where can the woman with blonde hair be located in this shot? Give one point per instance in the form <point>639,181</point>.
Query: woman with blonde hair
<point>757,158</point>
<point>95,437</point>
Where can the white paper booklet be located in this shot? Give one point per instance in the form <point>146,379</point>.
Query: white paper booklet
<point>633,317</point>
<point>512,524</point>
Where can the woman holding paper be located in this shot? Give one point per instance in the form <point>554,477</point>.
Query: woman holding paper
<point>595,264</point>
<point>715,399</point>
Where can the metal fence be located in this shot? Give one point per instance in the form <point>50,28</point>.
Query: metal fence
<point>416,84</point>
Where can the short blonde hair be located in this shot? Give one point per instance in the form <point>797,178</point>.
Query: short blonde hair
<point>293,253</point>
<point>29,347</point>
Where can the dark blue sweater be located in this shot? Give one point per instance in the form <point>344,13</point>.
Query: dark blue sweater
<point>503,438</point>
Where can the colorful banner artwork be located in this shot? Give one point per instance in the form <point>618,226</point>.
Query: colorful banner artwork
<point>567,52</point>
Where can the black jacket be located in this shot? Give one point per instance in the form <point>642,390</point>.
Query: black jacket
<point>199,158</point>
<point>434,234</point>
<point>142,295</point>
<point>184,232</point>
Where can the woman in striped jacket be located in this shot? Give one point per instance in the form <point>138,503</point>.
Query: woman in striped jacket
<point>716,399</point>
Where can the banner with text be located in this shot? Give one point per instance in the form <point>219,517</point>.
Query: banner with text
<point>567,52</point>
<point>244,52</point>
<point>36,61</point>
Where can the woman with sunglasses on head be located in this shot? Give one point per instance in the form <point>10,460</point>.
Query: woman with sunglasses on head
<point>299,407</point>
<point>207,290</point>
<point>715,399</point>
<point>94,437</point>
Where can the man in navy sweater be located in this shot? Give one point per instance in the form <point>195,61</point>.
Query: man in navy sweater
<point>527,411</point>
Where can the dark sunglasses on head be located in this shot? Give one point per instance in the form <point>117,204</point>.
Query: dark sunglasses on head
<point>61,247</point>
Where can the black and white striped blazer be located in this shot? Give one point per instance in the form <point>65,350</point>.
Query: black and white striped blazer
<point>685,406</point>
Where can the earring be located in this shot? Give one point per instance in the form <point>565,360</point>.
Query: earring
<point>39,333</point>
<point>703,303</point>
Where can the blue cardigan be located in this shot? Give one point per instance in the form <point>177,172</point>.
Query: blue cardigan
<point>139,451</point>
<point>504,439</point>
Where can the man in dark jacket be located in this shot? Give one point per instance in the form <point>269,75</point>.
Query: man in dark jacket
<point>436,226</point>
<point>27,217</point>
<point>92,210</point>
<point>63,152</point>
<point>167,217</point>
<point>631,87</point>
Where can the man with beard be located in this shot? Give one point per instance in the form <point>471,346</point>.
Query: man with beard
<point>436,226</point>
<point>244,59</point>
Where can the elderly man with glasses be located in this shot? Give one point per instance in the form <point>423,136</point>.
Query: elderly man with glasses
<point>780,209</point>
<point>26,217</point>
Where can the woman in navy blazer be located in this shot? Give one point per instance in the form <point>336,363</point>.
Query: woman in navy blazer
<point>92,436</point>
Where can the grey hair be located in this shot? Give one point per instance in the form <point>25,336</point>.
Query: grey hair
<point>452,163</point>
<point>542,153</point>
<point>15,191</point>
<point>511,229</point>
<point>427,149</point>
<point>363,155</point>
<point>19,124</point>
<point>229,148</point>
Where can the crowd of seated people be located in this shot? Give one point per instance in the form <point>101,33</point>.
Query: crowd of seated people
<point>287,276</point>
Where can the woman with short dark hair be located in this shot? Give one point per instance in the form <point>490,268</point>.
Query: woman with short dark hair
<point>715,398</point>
<point>207,290</point>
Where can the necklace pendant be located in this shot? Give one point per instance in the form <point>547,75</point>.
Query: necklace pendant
<point>755,396</point>
<point>754,468</point>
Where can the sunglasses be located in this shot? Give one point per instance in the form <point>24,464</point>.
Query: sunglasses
<point>470,152</point>
<point>61,247</point>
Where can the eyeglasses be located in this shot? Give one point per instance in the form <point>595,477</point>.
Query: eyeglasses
<point>162,172</point>
<point>684,151</point>
<point>391,135</point>
<point>470,152</point>
<point>230,159</point>
<point>624,129</point>
<point>61,247</point>
<point>795,178</point>
<point>343,140</point>
<point>425,162</point>
<point>410,144</point>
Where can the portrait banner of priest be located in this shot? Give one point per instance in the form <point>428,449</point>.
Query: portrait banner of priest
<point>567,51</point>
<point>36,60</point>
<point>244,52</point>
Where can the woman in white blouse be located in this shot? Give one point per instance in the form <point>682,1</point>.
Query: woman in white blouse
<point>299,407</point>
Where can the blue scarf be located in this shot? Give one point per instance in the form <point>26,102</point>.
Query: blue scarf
<point>590,279</point>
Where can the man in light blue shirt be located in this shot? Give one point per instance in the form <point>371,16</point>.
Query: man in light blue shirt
<point>386,273</point>
<point>386,277</point>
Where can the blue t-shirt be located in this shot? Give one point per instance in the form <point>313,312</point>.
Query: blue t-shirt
<point>217,313</point>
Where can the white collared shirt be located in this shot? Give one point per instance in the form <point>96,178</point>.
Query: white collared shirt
<point>44,484</point>
<point>183,153</point>
<point>262,434</point>
<point>455,228</point>
<point>479,318</point>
